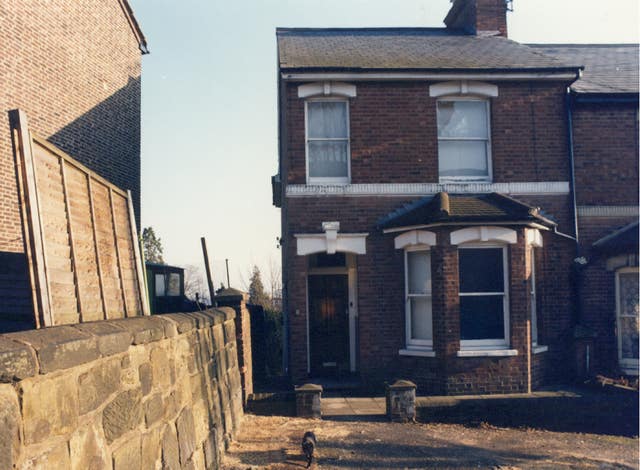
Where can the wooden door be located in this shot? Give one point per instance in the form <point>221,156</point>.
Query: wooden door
<point>329,324</point>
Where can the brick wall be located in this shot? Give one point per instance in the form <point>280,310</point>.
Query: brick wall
<point>133,393</point>
<point>606,154</point>
<point>74,67</point>
<point>394,134</point>
<point>394,140</point>
<point>381,323</point>
<point>606,162</point>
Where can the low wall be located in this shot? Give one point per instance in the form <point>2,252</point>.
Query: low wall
<point>128,394</point>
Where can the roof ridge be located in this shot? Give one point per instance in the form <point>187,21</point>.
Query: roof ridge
<point>368,28</point>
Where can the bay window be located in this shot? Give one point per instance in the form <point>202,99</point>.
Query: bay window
<point>419,325</point>
<point>484,318</point>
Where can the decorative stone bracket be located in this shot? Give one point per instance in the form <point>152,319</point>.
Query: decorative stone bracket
<point>331,241</point>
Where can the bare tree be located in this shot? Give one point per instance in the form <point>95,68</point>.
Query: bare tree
<point>275,284</point>
<point>194,283</point>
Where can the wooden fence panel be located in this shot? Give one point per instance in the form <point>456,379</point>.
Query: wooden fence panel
<point>82,245</point>
<point>56,243</point>
<point>127,258</point>
<point>107,250</point>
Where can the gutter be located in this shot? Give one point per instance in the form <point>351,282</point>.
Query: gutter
<point>367,75</point>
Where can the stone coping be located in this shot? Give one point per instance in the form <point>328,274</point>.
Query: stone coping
<point>401,385</point>
<point>25,354</point>
<point>309,388</point>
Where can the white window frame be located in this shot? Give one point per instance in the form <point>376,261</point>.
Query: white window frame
<point>494,343</point>
<point>468,179</point>
<point>416,344</point>
<point>628,365</point>
<point>534,301</point>
<point>320,180</point>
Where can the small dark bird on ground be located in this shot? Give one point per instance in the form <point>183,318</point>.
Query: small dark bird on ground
<point>308,446</point>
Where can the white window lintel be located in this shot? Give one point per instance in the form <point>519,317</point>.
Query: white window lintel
<point>484,234</point>
<point>415,237</point>
<point>309,90</point>
<point>463,88</point>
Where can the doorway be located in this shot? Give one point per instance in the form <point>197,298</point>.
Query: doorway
<point>331,316</point>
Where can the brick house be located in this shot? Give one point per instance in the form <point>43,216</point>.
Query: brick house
<point>603,111</point>
<point>74,68</point>
<point>429,181</point>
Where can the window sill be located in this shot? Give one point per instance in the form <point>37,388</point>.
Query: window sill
<point>417,352</point>
<point>462,180</point>
<point>539,349</point>
<point>487,353</point>
<point>329,182</point>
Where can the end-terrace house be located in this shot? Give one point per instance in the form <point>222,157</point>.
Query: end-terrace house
<point>426,187</point>
<point>74,69</point>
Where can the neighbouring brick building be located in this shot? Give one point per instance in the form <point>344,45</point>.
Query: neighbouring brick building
<point>74,68</point>
<point>603,107</point>
<point>431,181</point>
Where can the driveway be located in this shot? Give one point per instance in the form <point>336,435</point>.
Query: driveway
<point>273,442</point>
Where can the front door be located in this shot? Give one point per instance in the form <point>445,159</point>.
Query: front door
<point>329,324</point>
<point>628,308</point>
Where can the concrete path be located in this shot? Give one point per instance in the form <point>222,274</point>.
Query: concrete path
<point>350,406</point>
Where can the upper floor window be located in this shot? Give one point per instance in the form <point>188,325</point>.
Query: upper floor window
<point>464,146</point>
<point>327,134</point>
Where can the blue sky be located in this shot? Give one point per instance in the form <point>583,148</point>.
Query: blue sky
<point>209,106</point>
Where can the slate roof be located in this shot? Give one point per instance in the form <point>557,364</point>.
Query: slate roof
<point>445,208</point>
<point>624,240</point>
<point>609,68</point>
<point>424,49</point>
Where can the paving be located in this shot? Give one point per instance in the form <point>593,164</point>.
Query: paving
<point>350,406</point>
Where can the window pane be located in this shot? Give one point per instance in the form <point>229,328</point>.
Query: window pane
<point>174,284</point>
<point>481,270</point>
<point>328,159</point>
<point>462,158</point>
<point>629,307</point>
<point>160,285</point>
<point>420,318</point>
<point>327,119</point>
<point>629,303</point>
<point>462,119</point>
<point>419,271</point>
<point>482,317</point>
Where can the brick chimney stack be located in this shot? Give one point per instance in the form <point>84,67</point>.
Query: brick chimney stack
<point>479,17</point>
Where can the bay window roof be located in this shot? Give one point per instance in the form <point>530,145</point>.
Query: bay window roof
<point>445,208</point>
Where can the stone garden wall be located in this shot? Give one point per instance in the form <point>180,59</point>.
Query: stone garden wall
<point>139,393</point>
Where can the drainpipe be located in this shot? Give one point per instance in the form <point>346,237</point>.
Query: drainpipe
<point>282,172</point>
<point>577,271</point>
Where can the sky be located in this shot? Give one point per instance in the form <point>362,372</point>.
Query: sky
<point>209,111</point>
